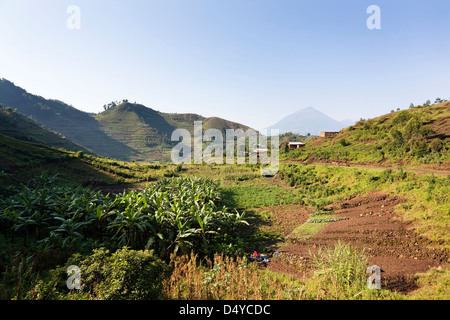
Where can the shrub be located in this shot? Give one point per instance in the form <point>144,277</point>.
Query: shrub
<point>412,128</point>
<point>436,145</point>
<point>125,275</point>
<point>419,149</point>
<point>402,117</point>
<point>129,275</point>
<point>344,142</point>
<point>397,138</point>
<point>427,132</point>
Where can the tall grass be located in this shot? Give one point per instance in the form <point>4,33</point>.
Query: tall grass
<point>341,270</point>
<point>227,278</point>
<point>336,273</point>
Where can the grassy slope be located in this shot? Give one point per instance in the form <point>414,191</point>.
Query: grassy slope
<point>15,125</point>
<point>76,125</point>
<point>22,160</point>
<point>415,136</point>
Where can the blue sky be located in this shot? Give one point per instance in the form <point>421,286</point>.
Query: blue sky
<point>248,61</point>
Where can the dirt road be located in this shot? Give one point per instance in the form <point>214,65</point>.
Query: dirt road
<point>444,169</point>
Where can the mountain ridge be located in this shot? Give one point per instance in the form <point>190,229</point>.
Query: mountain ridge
<point>123,131</point>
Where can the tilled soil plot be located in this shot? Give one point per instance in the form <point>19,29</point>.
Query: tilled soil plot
<point>389,243</point>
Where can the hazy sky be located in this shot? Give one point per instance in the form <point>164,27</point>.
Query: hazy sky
<point>248,61</point>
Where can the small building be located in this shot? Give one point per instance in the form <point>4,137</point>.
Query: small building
<point>295,145</point>
<point>259,150</point>
<point>328,134</point>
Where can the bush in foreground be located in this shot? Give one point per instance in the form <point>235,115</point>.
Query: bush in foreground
<point>123,275</point>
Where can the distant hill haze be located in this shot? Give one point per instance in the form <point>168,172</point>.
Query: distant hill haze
<point>309,120</point>
<point>126,131</point>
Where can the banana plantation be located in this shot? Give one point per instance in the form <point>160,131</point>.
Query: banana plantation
<point>170,217</point>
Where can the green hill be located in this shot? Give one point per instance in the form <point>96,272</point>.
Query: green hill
<point>15,125</point>
<point>419,135</point>
<point>221,124</point>
<point>148,132</point>
<point>22,160</point>
<point>76,125</point>
<point>123,131</point>
<point>141,129</point>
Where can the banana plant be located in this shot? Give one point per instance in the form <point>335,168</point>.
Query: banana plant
<point>101,217</point>
<point>36,221</point>
<point>131,219</point>
<point>69,229</point>
<point>172,215</point>
<point>128,225</point>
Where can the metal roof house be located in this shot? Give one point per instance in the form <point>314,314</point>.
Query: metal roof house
<point>295,145</point>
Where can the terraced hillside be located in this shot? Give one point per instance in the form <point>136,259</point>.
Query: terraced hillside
<point>125,131</point>
<point>77,126</point>
<point>148,132</point>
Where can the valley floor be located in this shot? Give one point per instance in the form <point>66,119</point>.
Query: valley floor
<point>369,221</point>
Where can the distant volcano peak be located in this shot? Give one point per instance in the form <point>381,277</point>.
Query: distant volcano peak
<point>308,120</point>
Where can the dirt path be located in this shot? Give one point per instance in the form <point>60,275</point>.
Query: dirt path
<point>443,170</point>
<point>390,243</point>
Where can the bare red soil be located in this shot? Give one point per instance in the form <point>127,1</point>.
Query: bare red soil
<point>389,242</point>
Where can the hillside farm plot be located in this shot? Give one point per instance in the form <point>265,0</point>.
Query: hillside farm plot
<point>371,224</point>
